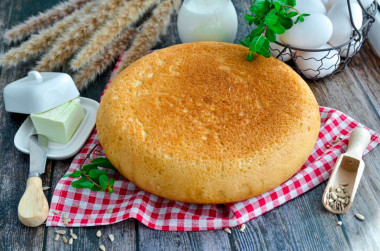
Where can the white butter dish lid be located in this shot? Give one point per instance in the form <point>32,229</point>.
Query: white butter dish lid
<point>39,92</point>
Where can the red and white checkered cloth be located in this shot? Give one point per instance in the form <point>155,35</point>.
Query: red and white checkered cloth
<point>87,208</point>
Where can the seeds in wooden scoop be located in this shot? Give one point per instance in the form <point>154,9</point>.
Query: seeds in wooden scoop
<point>227,230</point>
<point>359,216</point>
<point>337,197</point>
<point>99,233</point>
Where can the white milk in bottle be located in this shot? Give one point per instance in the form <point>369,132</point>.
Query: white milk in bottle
<point>207,20</point>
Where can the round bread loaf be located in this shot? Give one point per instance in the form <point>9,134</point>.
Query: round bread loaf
<point>199,123</point>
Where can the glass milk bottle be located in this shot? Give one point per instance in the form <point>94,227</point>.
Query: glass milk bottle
<point>207,20</point>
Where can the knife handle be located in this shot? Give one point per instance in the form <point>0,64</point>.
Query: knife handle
<point>33,207</point>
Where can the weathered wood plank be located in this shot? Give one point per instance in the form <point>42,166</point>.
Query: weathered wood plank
<point>13,174</point>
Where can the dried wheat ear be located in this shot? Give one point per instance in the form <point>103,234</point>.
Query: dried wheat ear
<point>90,34</point>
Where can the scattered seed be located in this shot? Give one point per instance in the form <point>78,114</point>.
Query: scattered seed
<point>66,221</point>
<point>71,241</point>
<point>64,239</point>
<point>89,216</point>
<point>45,188</point>
<point>339,223</point>
<point>55,211</point>
<point>65,216</point>
<point>110,210</point>
<point>227,230</point>
<point>99,233</point>
<point>112,238</point>
<point>328,146</point>
<point>359,216</point>
<point>242,228</point>
<point>60,231</point>
<point>102,247</point>
<point>77,205</point>
<point>74,236</point>
<point>338,139</point>
<point>56,237</point>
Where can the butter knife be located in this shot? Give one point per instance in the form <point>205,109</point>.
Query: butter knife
<point>33,207</point>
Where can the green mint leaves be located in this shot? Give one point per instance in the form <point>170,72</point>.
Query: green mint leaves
<point>92,177</point>
<point>271,17</point>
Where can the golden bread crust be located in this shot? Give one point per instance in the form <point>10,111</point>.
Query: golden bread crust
<point>198,123</point>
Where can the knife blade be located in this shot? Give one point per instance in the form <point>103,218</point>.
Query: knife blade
<point>38,145</point>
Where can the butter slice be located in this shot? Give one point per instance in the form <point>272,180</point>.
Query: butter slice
<point>60,123</point>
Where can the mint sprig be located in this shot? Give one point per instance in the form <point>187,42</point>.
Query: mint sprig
<point>91,176</point>
<point>271,17</point>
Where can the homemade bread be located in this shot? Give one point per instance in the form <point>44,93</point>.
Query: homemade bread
<point>199,123</point>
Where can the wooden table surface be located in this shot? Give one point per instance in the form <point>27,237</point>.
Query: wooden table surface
<point>299,224</point>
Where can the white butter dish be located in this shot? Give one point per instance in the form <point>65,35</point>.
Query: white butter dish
<point>59,151</point>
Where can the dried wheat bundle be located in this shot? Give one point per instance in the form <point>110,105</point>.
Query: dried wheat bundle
<point>36,23</point>
<point>68,42</point>
<point>130,13</point>
<point>40,42</point>
<point>152,29</point>
<point>100,30</point>
<point>96,66</point>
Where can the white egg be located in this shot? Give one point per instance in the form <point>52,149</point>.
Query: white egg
<point>310,6</point>
<point>354,47</point>
<point>340,19</point>
<point>276,49</point>
<point>329,3</point>
<point>314,32</point>
<point>366,3</point>
<point>317,64</point>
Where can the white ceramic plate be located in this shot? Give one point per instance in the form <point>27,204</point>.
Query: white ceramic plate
<point>59,151</point>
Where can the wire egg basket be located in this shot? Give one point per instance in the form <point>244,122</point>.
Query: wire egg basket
<point>322,63</point>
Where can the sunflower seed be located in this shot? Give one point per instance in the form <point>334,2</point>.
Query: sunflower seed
<point>359,216</point>
<point>55,211</point>
<point>112,238</point>
<point>77,205</point>
<point>65,216</point>
<point>71,241</point>
<point>339,223</point>
<point>99,233</point>
<point>89,216</point>
<point>328,146</point>
<point>74,236</point>
<point>333,195</point>
<point>56,237</point>
<point>109,210</point>
<point>242,228</point>
<point>344,184</point>
<point>60,231</point>
<point>227,230</point>
<point>45,188</point>
<point>102,247</point>
<point>64,239</point>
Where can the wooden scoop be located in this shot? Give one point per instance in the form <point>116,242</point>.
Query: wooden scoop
<point>347,171</point>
